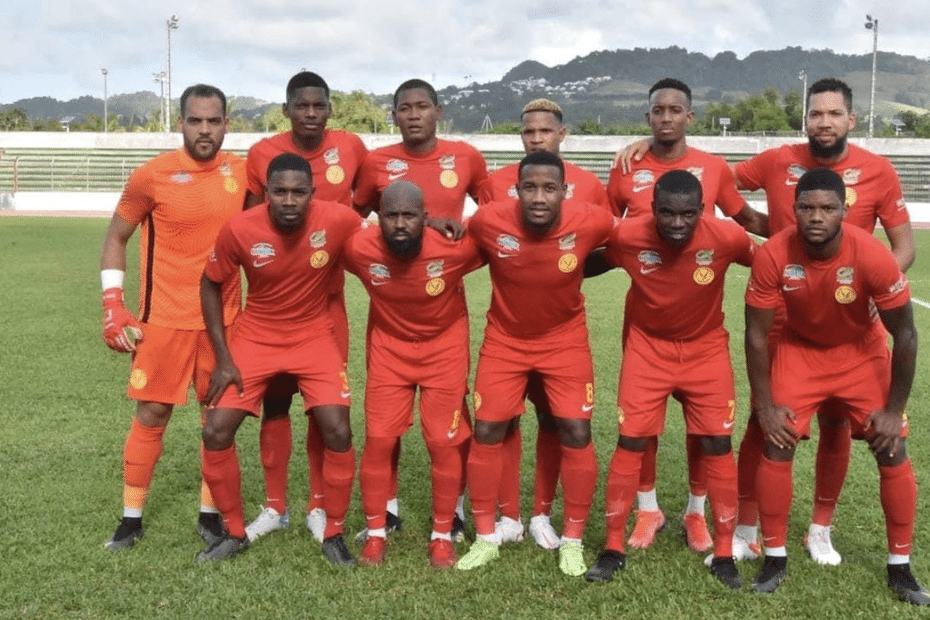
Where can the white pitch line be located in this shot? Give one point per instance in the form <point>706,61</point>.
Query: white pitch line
<point>921,302</point>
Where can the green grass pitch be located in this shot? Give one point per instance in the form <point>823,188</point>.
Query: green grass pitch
<point>64,419</point>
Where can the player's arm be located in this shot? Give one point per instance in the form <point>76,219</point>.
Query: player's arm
<point>120,327</point>
<point>772,418</point>
<point>901,238</point>
<point>883,427</point>
<point>226,373</point>
<point>753,221</point>
<point>631,154</point>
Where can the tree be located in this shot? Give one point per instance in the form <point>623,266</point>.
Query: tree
<point>357,113</point>
<point>14,119</point>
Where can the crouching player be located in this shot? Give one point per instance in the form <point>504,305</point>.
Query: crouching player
<point>289,249</point>
<point>417,338</point>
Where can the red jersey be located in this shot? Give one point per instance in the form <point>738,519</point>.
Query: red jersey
<point>288,274</point>
<point>583,186</point>
<point>677,293</point>
<point>414,299</point>
<point>334,164</point>
<point>631,194</point>
<point>536,281</point>
<point>181,203</point>
<point>445,175</point>
<point>828,301</point>
<point>873,190</point>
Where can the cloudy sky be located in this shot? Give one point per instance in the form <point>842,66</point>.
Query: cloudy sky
<point>57,47</point>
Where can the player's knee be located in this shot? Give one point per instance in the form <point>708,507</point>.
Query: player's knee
<point>774,453</point>
<point>884,458</point>
<point>574,433</point>
<point>490,433</point>
<point>216,436</point>
<point>633,444</point>
<point>546,421</point>
<point>153,414</point>
<point>713,445</point>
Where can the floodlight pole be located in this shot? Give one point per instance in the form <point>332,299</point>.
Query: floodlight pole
<point>872,24</point>
<point>172,24</point>
<point>104,72</point>
<point>803,77</point>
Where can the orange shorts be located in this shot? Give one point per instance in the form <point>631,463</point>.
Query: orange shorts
<point>562,361</point>
<point>438,366</point>
<point>314,362</point>
<point>697,373</point>
<point>165,362</point>
<point>852,379</point>
<point>285,386</point>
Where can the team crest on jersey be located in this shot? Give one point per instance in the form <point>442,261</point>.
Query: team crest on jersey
<point>621,416</point>
<point>703,275</point>
<point>447,162</point>
<point>454,426</point>
<point>448,179</point>
<point>262,253</point>
<point>138,379</point>
<point>794,272</point>
<point>845,294</point>
<point>567,242</point>
<point>698,172</point>
<point>851,196</point>
<point>396,168</point>
<point>477,401</point>
<point>229,181</point>
<point>508,243</point>
<point>317,239</point>
<point>181,176</point>
<point>512,192</point>
<point>331,156</point>
<point>569,191</point>
<point>319,259</point>
<point>643,179</point>
<point>795,172</point>
<point>568,262</point>
<point>851,176</point>
<point>704,257</point>
<point>435,286</point>
<point>379,274</point>
<point>335,175</point>
<point>844,275</point>
<point>649,261</point>
<point>434,268</point>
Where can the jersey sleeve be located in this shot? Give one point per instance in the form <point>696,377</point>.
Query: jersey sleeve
<point>137,200</point>
<point>888,287</point>
<point>892,209</point>
<point>615,198</point>
<point>223,261</point>
<point>599,195</point>
<point>366,185</point>
<point>255,176</point>
<point>728,197</point>
<point>745,247</point>
<point>763,289</point>
<point>751,173</point>
<point>479,173</point>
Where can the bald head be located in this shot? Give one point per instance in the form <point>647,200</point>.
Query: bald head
<point>401,216</point>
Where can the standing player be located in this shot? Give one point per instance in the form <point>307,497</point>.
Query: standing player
<point>444,170</point>
<point>542,130</point>
<point>289,250</point>
<point>334,157</point>
<point>675,344</point>
<point>181,199</point>
<point>417,338</point>
<point>536,324</point>
<point>873,192</point>
<point>630,194</point>
<point>831,278</point>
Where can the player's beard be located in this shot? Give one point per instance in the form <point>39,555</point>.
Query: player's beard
<point>405,248</point>
<point>820,151</point>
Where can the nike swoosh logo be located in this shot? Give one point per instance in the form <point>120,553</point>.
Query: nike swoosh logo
<point>452,433</point>
<point>502,255</point>
<point>345,394</point>
<point>258,264</point>
<point>791,288</point>
<point>791,182</point>
<point>900,546</point>
<point>396,175</point>
<point>378,282</point>
<point>728,424</point>
<point>647,270</point>
<point>640,188</point>
<point>587,408</point>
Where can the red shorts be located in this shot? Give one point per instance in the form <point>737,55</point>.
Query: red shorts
<point>697,373</point>
<point>562,361</point>
<point>438,366</point>
<point>852,378</point>
<point>165,362</point>
<point>284,386</point>
<point>314,362</point>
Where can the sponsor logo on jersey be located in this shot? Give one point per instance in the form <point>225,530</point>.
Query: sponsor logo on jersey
<point>180,177</point>
<point>567,242</point>
<point>642,180</point>
<point>331,156</point>
<point>512,192</point>
<point>845,294</point>
<point>698,172</point>
<point>795,172</point>
<point>317,239</point>
<point>447,162</point>
<point>650,261</point>
<point>379,274</point>
<point>319,259</point>
<point>794,272</point>
<point>434,268</point>
<point>567,263</point>
<point>396,165</point>
<point>851,176</point>
<point>704,257</point>
<point>262,252</point>
<point>508,244</point>
<point>844,275</point>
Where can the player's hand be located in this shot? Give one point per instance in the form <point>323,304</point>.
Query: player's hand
<point>883,431</point>
<point>120,328</point>
<point>452,229</point>
<point>224,375</point>
<point>776,422</point>
<point>629,154</point>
